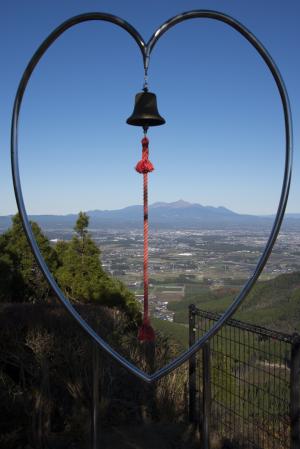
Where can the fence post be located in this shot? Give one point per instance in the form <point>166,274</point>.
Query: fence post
<point>95,398</point>
<point>192,366</point>
<point>295,392</point>
<point>206,396</point>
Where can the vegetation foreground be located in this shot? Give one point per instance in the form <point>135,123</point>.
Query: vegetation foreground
<point>46,360</point>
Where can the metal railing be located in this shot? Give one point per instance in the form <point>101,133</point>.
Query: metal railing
<point>244,384</point>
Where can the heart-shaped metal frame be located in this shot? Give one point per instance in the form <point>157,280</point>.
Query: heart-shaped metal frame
<point>146,50</point>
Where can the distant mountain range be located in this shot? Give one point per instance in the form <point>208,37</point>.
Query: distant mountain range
<point>179,214</point>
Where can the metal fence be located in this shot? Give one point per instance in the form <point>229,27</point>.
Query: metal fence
<point>244,385</point>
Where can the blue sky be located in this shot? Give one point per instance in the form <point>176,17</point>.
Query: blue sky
<point>223,143</point>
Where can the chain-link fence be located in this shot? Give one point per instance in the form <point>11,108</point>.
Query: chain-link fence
<point>244,384</point>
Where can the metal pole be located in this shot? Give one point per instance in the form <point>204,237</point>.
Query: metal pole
<point>192,366</point>
<point>96,397</point>
<point>295,393</point>
<point>206,396</point>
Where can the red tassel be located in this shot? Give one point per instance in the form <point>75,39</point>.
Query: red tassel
<point>144,165</point>
<point>146,332</point>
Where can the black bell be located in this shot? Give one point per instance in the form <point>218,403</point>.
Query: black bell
<point>145,111</point>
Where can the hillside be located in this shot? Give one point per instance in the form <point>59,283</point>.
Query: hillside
<point>274,303</point>
<point>45,389</point>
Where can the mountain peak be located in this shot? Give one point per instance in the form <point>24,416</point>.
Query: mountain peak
<point>175,205</point>
<point>180,203</point>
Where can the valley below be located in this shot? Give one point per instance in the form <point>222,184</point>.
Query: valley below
<point>206,267</point>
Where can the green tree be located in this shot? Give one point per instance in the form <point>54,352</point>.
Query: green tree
<point>80,271</point>
<point>81,225</point>
<point>20,277</point>
<point>81,277</point>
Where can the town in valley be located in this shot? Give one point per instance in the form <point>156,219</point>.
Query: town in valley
<point>215,258</point>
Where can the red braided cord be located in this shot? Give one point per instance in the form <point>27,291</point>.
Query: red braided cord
<point>146,255</point>
<point>144,166</point>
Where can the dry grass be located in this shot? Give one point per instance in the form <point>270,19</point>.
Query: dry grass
<point>46,373</point>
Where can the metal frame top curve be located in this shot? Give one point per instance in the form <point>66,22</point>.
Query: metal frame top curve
<point>146,50</point>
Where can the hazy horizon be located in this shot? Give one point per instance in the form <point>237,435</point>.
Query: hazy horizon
<point>75,212</point>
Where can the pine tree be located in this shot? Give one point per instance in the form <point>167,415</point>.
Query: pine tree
<point>82,278</point>
<point>80,271</point>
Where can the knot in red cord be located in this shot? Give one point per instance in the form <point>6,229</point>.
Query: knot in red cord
<point>144,165</point>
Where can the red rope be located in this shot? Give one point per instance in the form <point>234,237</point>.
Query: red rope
<point>144,166</point>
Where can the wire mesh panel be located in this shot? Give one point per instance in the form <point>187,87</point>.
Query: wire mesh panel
<point>249,383</point>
